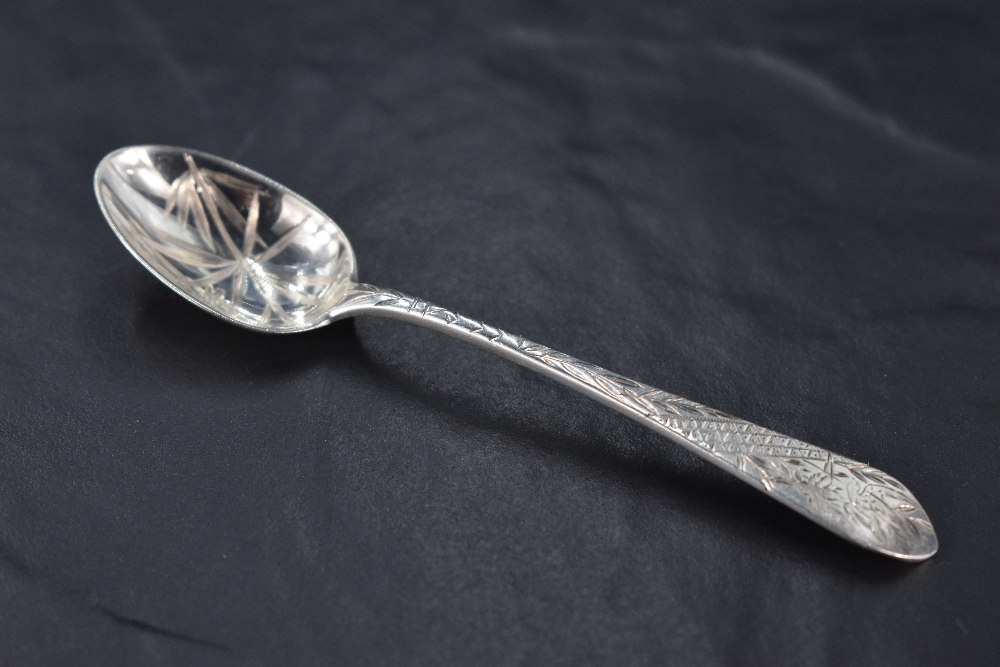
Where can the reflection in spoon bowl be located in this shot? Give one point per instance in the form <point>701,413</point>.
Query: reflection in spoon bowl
<point>234,242</point>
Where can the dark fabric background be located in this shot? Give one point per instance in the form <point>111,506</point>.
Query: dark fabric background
<point>785,210</point>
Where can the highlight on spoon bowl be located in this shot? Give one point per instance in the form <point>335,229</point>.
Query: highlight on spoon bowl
<point>226,238</point>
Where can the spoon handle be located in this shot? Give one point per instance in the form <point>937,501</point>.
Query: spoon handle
<point>858,502</point>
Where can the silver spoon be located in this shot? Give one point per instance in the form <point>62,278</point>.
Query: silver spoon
<point>258,255</point>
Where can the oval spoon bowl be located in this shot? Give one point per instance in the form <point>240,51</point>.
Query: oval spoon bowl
<point>226,238</point>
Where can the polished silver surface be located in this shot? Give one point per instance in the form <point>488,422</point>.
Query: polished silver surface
<point>232,241</point>
<point>256,254</point>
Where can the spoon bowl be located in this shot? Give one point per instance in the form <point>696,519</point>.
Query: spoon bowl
<point>226,238</point>
<point>258,255</point>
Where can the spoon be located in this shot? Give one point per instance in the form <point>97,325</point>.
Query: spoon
<point>256,254</point>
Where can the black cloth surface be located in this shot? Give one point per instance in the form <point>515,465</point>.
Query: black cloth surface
<point>784,210</point>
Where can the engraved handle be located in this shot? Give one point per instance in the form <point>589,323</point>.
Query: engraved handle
<point>861,504</point>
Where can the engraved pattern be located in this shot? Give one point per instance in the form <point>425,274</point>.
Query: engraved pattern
<point>854,500</point>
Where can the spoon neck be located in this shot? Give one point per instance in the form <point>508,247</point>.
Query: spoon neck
<point>365,299</point>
